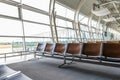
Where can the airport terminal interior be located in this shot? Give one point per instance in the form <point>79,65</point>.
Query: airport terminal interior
<point>59,39</point>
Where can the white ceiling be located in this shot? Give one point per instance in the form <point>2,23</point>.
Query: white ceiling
<point>70,3</point>
<point>86,8</point>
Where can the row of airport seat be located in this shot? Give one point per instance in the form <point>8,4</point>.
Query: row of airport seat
<point>7,73</point>
<point>99,51</point>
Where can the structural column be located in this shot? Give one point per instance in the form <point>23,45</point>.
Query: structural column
<point>90,26</point>
<point>52,17</point>
<point>21,18</point>
<point>76,20</point>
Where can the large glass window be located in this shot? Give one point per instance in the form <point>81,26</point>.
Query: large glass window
<point>10,27</point>
<point>8,10</point>
<point>33,16</point>
<point>40,4</point>
<point>32,29</point>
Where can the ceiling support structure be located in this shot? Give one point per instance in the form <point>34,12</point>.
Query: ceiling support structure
<point>76,20</point>
<point>115,7</point>
<point>52,17</point>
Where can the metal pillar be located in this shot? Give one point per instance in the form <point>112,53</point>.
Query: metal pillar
<point>21,18</point>
<point>76,20</point>
<point>52,17</point>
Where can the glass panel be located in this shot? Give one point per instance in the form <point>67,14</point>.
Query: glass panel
<point>87,35</point>
<point>84,40</point>
<point>95,35</point>
<point>63,23</point>
<point>70,14</point>
<point>33,16</point>
<point>10,27</point>
<point>101,27</point>
<point>81,17</point>
<point>93,29</point>
<point>84,20</point>
<point>94,23</point>
<point>83,28</point>
<point>63,11</point>
<point>8,10</point>
<point>32,29</point>
<point>31,43</point>
<point>40,4</point>
<point>83,34</point>
<point>68,33</point>
<point>10,44</point>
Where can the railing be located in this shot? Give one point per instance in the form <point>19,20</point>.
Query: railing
<point>14,54</point>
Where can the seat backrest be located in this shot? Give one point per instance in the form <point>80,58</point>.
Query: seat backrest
<point>49,47</point>
<point>111,50</point>
<point>92,49</point>
<point>101,42</point>
<point>74,48</point>
<point>91,42</point>
<point>60,48</point>
<point>112,41</point>
<point>40,47</point>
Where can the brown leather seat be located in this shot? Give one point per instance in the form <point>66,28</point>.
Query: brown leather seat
<point>101,42</point>
<point>91,42</point>
<point>60,48</point>
<point>92,49</point>
<point>74,48</point>
<point>112,41</point>
<point>49,48</point>
<point>111,50</point>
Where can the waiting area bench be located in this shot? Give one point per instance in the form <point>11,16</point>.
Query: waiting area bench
<point>96,51</point>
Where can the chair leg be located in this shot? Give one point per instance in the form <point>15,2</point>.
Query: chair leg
<point>52,55</point>
<point>43,54</point>
<point>71,61</point>
<point>80,58</point>
<point>66,62</point>
<point>100,61</point>
<point>63,63</point>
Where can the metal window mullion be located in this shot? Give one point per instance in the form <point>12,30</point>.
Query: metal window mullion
<point>90,26</point>
<point>21,18</point>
